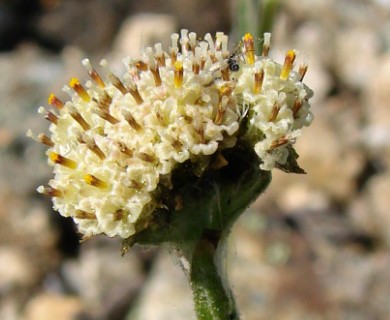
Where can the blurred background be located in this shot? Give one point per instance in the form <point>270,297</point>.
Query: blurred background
<point>314,246</point>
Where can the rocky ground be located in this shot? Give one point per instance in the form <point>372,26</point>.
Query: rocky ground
<point>312,247</point>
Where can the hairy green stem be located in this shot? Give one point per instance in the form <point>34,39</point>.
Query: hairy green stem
<point>211,300</point>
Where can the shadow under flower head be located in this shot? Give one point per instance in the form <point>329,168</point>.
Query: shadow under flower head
<point>116,143</point>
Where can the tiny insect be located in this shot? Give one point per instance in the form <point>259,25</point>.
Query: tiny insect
<point>233,64</point>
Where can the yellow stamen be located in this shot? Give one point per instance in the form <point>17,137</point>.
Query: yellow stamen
<point>55,102</point>
<point>249,48</point>
<point>258,83</point>
<point>95,182</point>
<point>288,64</point>
<point>178,74</point>
<point>74,83</point>
<point>81,214</point>
<point>58,159</point>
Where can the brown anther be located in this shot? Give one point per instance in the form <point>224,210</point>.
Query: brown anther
<point>42,138</point>
<point>104,101</point>
<point>124,149</point>
<point>131,121</point>
<point>55,102</point>
<point>118,214</point>
<point>302,70</point>
<point>288,64</point>
<point>141,65</point>
<point>136,95</point>
<point>79,89</point>
<point>274,112</point>
<point>50,191</point>
<point>146,157</point>
<point>173,57</point>
<point>177,145</point>
<point>134,184</point>
<point>156,76</point>
<point>221,111</point>
<point>195,68</point>
<point>84,215</point>
<point>104,114</point>
<point>91,144</point>
<point>178,74</point>
<point>258,83</point>
<point>202,63</point>
<point>278,143</point>
<point>96,78</point>
<point>225,74</point>
<point>117,83</point>
<point>95,182</point>
<point>160,60</point>
<point>296,107</point>
<point>58,159</point>
<point>51,117</point>
<point>79,119</point>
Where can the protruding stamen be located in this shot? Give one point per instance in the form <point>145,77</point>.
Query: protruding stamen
<point>95,182</point>
<point>141,65</point>
<point>42,138</point>
<point>249,48</point>
<point>49,191</point>
<point>192,41</point>
<point>130,119</point>
<point>156,76</point>
<point>93,73</point>
<point>91,144</point>
<point>274,112</point>
<point>58,159</point>
<point>55,102</point>
<point>50,116</point>
<point>104,101</point>
<point>174,49</point>
<point>222,106</point>
<point>124,149</point>
<point>79,118</point>
<point>288,64</point>
<point>178,74</point>
<point>160,57</point>
<point>258,83</point>
<point>302,69</point>
<point>113,78</point>
<point>84,215</point>
<point>296,107</point>
<point>105,114</point>
<point>266,44</point>
<point>184,41</point>
<point>74,83</point>
<point>278,143</point>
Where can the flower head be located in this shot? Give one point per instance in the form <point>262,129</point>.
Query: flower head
<point>116,143</point>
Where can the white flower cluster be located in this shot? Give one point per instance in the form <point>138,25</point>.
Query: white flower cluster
<point>116,142</point>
